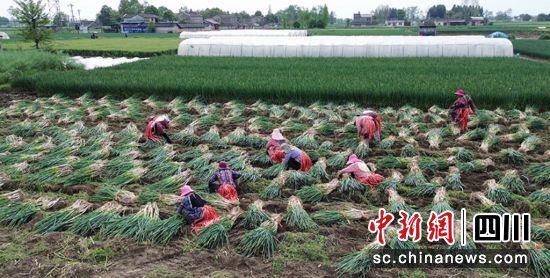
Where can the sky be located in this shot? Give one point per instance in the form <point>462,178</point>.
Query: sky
<point>342,8</point>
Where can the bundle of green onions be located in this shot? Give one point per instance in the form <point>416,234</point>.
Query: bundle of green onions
<point>200,162</point>
<point>391,162</point>
<point>415,177</point>
<point>316,193</point>
<point>237,137</point>
<point>338,160</point>
<point>260,158</point>
<point>530,144</point>
<point>187,137</point>
<point>61,220</point>
<point>297,218</point>
<point>274,189</point>
<point>360,263</point>
<point>170,184</point>
<point>250,175</point>
<point>86,174</point>
<point>539,258</point>
<point>541,233</point>
<point>141,226</point>
<point>255,215</point>
<point>517,136</point>
<point>396,202</point>
<point>319,170</point>
<point>536,123</point>
<point>261,241</point>
<point>213,137</point>
<point>434,138</point>
<point>306,140</point>
<point>90,223</point>
<point>298,179</point>
<point>512,156</point>
<point>392,181</point>
<point>260,124</point>
<point>350,186</point>
<point>462,154</point>
<point>433,164</point>
<point>112,193</point>
<point>128,177</point>
<point>487,204</point>
<point>475,134</point>
<point>217,201</point>
<point>362,150</point>
<point>215,235</point>
<point>409,150</point>
<point>452,180</point>
<point>427,189</point>
<point>497,192</point>
<point>513,181</point>
<point>542,196</point>
<point>338,217</point>
<point>14,196</point>
<point>387,142</point>
<point>489,141</point>
<point>14,214</point>
<point>477,165</point>
<point>441,201</point>
<point>540,173</point>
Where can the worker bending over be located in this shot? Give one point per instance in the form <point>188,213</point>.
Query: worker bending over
<point>196,211</point>
<point>276,154</point>
<point>461,110</point>
<point>157,127</point>
<point>295,158</point>
<point>224,182</point>
<point>369,126</point>
<point>361,172</point>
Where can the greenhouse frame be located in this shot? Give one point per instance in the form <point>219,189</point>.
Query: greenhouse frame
<point>348,46</point>
<point>244,33</point>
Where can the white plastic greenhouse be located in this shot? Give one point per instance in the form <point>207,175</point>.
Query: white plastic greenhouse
<point>244,33</point>
<point>348,46</point>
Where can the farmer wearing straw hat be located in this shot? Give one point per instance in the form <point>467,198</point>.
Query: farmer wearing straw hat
<point>369,125</point>
<point>156,127</point>
<point>461,110</point>
<point>195,210</point>
<point>224,182</point>
<point>276,154</point>
<point>296,159</point>
<point>361,172</point>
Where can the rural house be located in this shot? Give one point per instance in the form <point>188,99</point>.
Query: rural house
<point>477,20</point>
<point>361,20</point>
<point>168,27</point>
<point>87,26</point>
<point>228,21</point>
<point>397,23</point>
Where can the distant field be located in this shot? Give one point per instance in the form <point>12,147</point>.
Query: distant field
<point>534,48</point>
<point>108,44</point>
<point>390,81</point>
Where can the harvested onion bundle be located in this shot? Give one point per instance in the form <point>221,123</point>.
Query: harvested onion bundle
<point>487,204</point>
<point>540,172</point>
<point>315,193</point>
<point>415,177</point>
<point>349,185</point>
<point>296,217</point>
<point>334,217</point>
<point>427,189</point>
<point>261,241</point>
<point>513,181</point>
<point>542,196</point>
<point>298,179</point>
<point>274,189</point>
<point>396,202</point>
<point>453,181</point>
<point>441,201</point>
<point>306,140</point>
<point>112,193</point>
<point>62,219</point>
<point>530,144</point>
<point>215,235</point>
<point>92,222</point>
<point>255,215</point>
<point>362,150</point>
<point>319,169</point>
<point>539,258</point>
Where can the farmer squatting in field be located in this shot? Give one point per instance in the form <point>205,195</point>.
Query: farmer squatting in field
<point>361,172</point>
<point>156,129</point>
<point>296,159</point>
<point>461,110</point>
<point>196,210</point>
<point>224,182</point>
<point>369,126</point>
<point>276,154</point>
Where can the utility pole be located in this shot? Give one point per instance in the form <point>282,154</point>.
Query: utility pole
<point>79,20</point>
<point>72,12</point>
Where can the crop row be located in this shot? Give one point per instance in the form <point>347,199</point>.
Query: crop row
<point>421,82</point>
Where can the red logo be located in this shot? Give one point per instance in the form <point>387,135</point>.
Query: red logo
<point>380,224</point>
<point>440,226</point>
<point>410,226</point>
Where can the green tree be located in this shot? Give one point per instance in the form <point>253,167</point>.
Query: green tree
<point>348,22</point>
<point>61,19</point>
<point>105,17</point>
<point>212,12</point>
<point>4,20</point>
<point>151,27</point>
<point>258,13</point>
<point>325,17</point>
<point>34,18</point>
<point>130,7</point>
<point>296,25</point>
<point>439,11</point>
<point>166,14</point>
<point>151,10</point>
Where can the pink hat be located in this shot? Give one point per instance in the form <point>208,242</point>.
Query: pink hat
<point>459,93</point>
<point>223,165</point>
<point>353,159</point>
<point>276,135</point>
<point>185,190</point>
